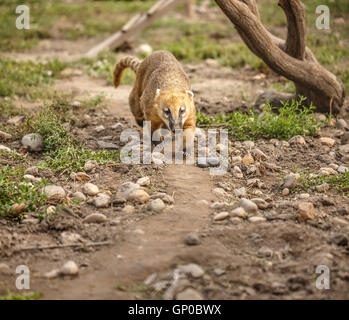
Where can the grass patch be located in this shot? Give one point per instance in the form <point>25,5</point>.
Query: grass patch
<point>16,296</point>
<point>14,189</point>
<point>290,120</point>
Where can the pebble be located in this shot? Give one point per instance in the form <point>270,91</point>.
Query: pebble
<point>236,160</point>
<point>15,120</point>
<point>327,141</point>
<point>90,189</point>
<point>239,212</point>
<point>4,148</point>
<point>156,205</point>
<point>248,205</point>
<point>128,209</point>
<point>247,160</point>
<point>117,126</point>
<point>50,210</point>
<point>342,169</point>
<point>217,205</point>
<point>70,237</point>
<point>79,196</point>
<point>138,195</point>
<point>327,171</point>
<point>5,135</point>
<point>192,269</point>
<point>261,203</point>
<point>192,239</point>
<point>334,166</point>
<point>221,216</point>
<point>145,49</point>
<point>248,144</point>
<point>99,128</point>
<point>107,145</point>
<point>220,192</point>
<point>31,178</point>
<point>189,294</point>
<point>291,180</point>
<point>31,221</point>
<point>344,149</point>
<point>340,240</point>
<point>125,188</point>
<point>323,187</point>
<point>237,172</point>
<point>240,192</point>
<point>4,267</point>
<point>53,191</point>
<point>340,221</point>
<point>306,211</point>
<point>95,218</point>
<point>52,274</point>
<point>341,124</point>
<point>90,165</point>
<point>235,220</point>
<point>144,181</point>
<point>297,140</point>
<point>258,154</point>
<point>102,201</point>
<point>203,203</point>
<point>33,141</point>
<point>257,219</point>
<point>304,196</point>
<point>70,268</point>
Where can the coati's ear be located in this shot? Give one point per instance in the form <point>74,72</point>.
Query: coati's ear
<point>157,93</point>
<point>190,92</point>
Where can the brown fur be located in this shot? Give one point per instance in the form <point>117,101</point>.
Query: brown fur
<point>160,71</point>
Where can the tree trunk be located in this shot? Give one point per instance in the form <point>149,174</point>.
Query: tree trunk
<point>290,58</point>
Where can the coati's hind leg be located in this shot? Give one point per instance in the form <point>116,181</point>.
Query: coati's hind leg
<point>135,106</point>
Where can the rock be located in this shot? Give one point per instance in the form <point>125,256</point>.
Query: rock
<point>340,240</point>
<point>261,203</point>
<point>90,189</point>
<point>189,294</point>
<point>306,211</point>
<point>30,221</point>
<point>99,128</point>
<point>297,140</point>
<point>240,192</point>
<point>220,192</point>
<point>285,192</point>
<point>15,120</point>
<point>334,166</point>
<point>248,205</point>
<point>138,195</point>
<point>107,145</point>
<point>344,149</point>
<point>341,124</point>
<point>4,148</point>
<point>327,141</point>
<point>18,207</point>
<point>52,274</point>
<point>144,49</point>
<point>95,218</point>
<point>156,205</point>
<point>258,154</point>
<point>4,268</point>
<point>90,165</point>
<point>31,178</point>
<point>192,239</point>
<point>235,220</point>
<point>128,209</point>
<point>202,203</point>
<point>80,176</point>
<point>53,191</point>
<point>70,237</point>
<point>340,221</point>
<point>217,205</point>
<point>117,126</point>
<point>248,144</point>
<point>239,212</point>
<point>236,160</point>
<point>291,180</point>
<point>192,269</point>
<point>247,160</point>
<point>125,188</point>
<point>265,252</point>
<point>342,169</point>
<point>102,201</point>
<point>70,268</point>
<point>221,216</point>
<point>327,171</point>
<point>5,136</point>
<point>50,210</point>
<point>323,187</point>
<point>79,196</point>
<point>236,171</point>
<point>304,196</point>
<point>144,181</point>
<point>257,219</point>
<point>33,141</point>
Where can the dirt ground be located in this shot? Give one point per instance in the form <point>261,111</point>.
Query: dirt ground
<point>236,258</point>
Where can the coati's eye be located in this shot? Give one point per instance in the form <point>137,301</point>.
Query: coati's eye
<point>182,110</point>
<point>167,112</point>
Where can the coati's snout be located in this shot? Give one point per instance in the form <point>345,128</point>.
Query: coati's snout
<point>174,107</point>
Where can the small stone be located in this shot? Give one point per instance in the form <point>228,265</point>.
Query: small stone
<point>340,221</point>
<point>261,203</point>
<point>80,176</point>
<point>138,195</point>
<point>125,188</point>
<point>291,181</point>
<point>70,237</point>
<point>117,126</point>
<point>31,178</point>
<point>31,221</point>
<point>15,120</point>
<point>240,192</point>
<point>344,149</point>
<point>107,145</point>
<point>220,192</point>
<point>304,196</point>
<point>156,205</point>
<point>237,172</point>
<point>128,209</point>
<point>4,267</point>
<point>102,201</point>
<point>323,187</point>
<point>327,141</point>
<point>247,160</point>
<point>192,269</point>
<point>99,128</point>
<point>90,165</point>
<point>5,136</point>
<point>70,268</point>
<point>76,104</point>
<point>217,205</point>
<point>18,207</point>
<point>248,205</point>
<point>4,148</point>
<point>52,274</point>
<point>221,216</point>
<point>192,239</point>
<point>236,160</point>
<point>327,171</point>
<point>265,252</point>
<point>248,144</point>
<point>334,166</point>
<point>33,141</point>
<point>239,212</point>
<point>189,294</point>
<point>342,169</point>
<point>79,196</point>
<point>258,154</point>
<point>340,240</point>
<point>235,220</point>
<point>95,218</point>
<point>341,124</point>
<point>144,49</point>
<point>297,140</point>
<point>305,211</point>
<point>203,203</point>
<point>53,191</point>
<point>50,210</point>
<point>257,219</point>
<point>144,181</point>
<point>90,189</point>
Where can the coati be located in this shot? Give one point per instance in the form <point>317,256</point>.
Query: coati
<point>161,94</point>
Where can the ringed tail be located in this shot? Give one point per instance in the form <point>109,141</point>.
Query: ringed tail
<point>125,62</point>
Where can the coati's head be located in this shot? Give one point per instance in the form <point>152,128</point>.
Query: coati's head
<point>174,107</point>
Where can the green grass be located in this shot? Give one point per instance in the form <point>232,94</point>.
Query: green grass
<point>16,296</point>
<point>15,190</point>
<point>61,151</point>
<point>291,120</point>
